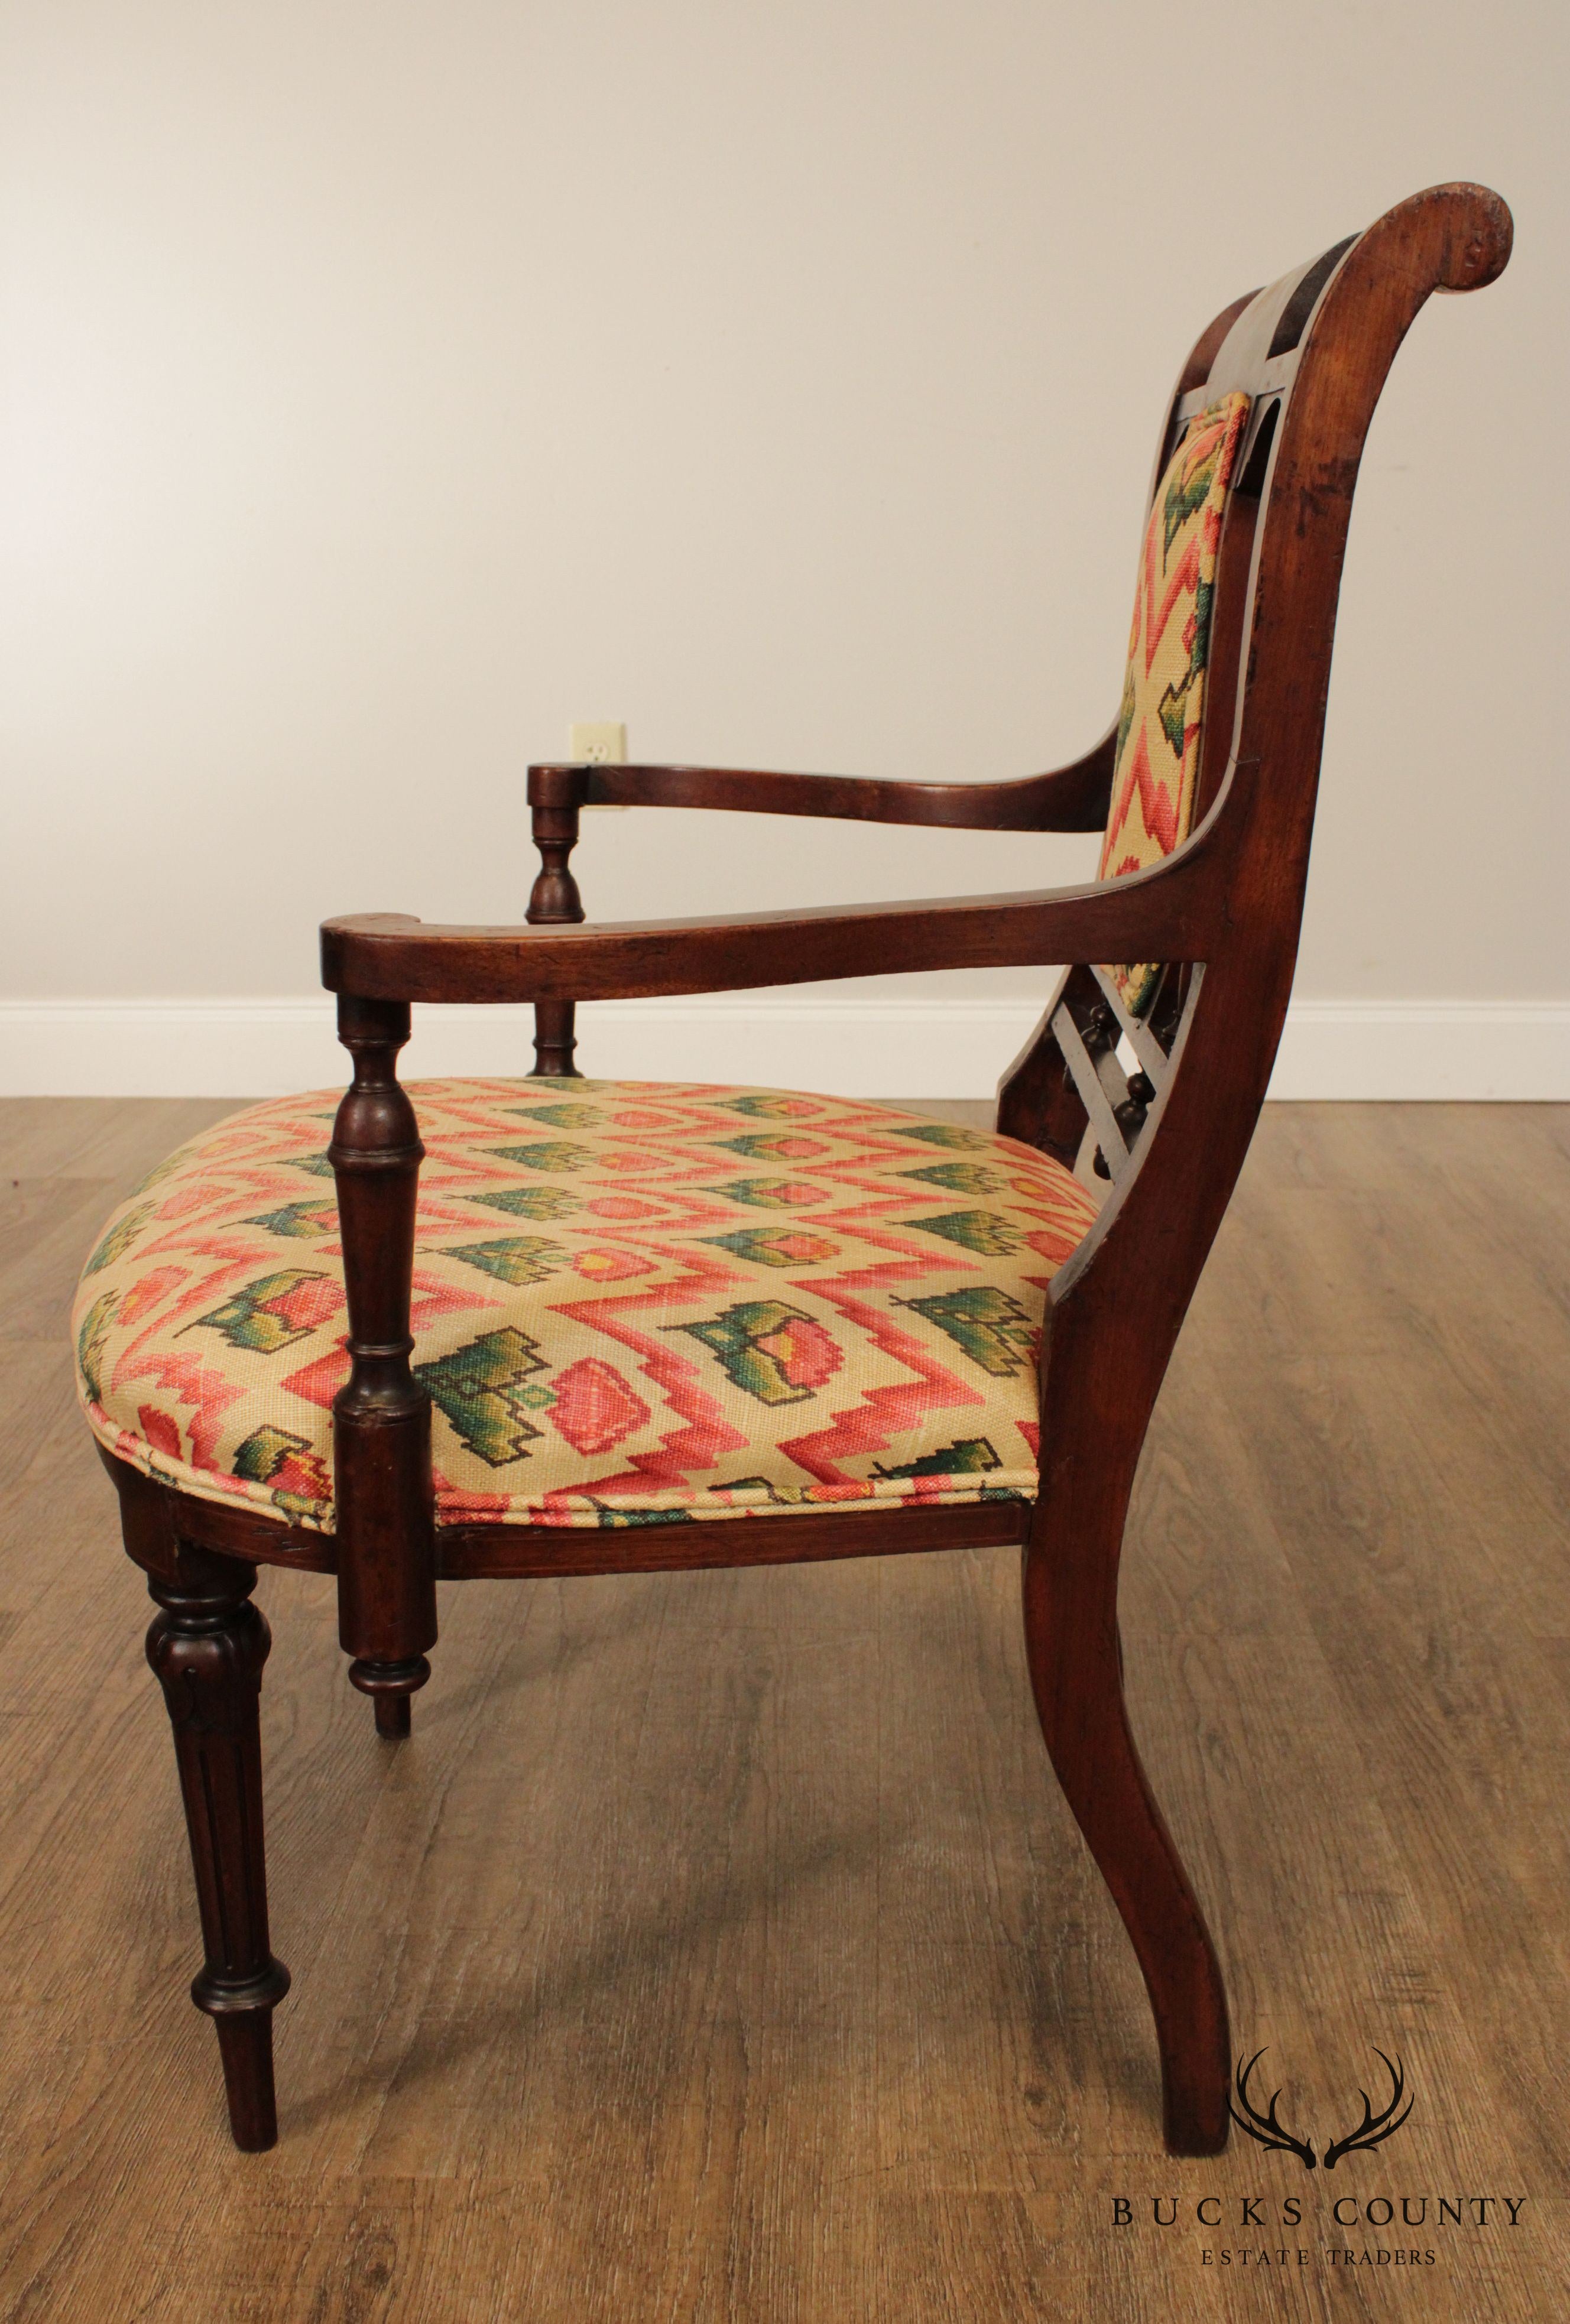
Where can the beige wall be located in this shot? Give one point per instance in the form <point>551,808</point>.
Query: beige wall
<point>391,384</point>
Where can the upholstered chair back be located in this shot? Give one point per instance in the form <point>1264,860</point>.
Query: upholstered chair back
<point>1162,716</point>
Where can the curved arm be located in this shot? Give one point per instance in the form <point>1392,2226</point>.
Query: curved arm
<point>1071,798</point>
<point>1172,912</point>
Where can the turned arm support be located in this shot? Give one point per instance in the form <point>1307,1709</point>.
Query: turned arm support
<point>554,901</point>
<point>381,1474</point>
<point>1074,797</point>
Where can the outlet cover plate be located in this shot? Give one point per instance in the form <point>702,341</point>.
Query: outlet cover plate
<point>597,742</point>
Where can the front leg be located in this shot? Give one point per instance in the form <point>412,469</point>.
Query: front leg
<point>207,1645</point>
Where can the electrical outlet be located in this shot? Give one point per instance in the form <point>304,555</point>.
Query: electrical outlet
<point>600,742</point>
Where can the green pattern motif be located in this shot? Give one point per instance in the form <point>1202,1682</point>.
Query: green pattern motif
<point>972,1456</point>
<point>982,1231</point>
<point>302,1222</point>
<point>777,1145</point>
<point>777,1353</point>
<point>544,1154</point>
<point>613,1520</point>
<point>1172,710</point>
<point>119,1238</point>
<point>771,1106</point>
<point>91,1340</point>
<point>944,1133</point>
<point>277,1309</point>
<point>560,1116</point>
<point>1188,491</point>
<point>512,1258</point>
<point>989,1324</point>
<point>772,1193</point>
<point>959,1177</point>
<point>1125,714</point>
<point>316,1164</point>
<point>528,1202</point>
<point>777,1246</point>
<point>160,1171</point>
<point>265,1452</point>
<point>483,1389</point>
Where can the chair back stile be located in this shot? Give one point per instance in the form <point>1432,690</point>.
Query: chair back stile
<point>1313,351</point>
<point>1069,1093</point>
<point>1114,1311</point>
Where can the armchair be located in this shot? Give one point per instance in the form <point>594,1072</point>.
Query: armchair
<point>627,1327</point>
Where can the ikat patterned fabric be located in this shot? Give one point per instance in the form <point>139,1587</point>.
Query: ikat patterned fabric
<point>633,1303</point>
<point>1160,720</point>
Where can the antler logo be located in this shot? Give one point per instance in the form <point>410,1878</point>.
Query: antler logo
<point>1269,2131</point>
<point>1374,2128</point>
<point>1266,2128</point>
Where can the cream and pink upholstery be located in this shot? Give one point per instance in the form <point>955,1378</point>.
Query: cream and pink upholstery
<point>636,1302</point>
<point>830,1329</point>
<point>1160,719</point>
<point>633,1301</point>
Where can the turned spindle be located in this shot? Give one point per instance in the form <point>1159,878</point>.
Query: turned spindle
<point>385,1516</point>
<point>555,799</point>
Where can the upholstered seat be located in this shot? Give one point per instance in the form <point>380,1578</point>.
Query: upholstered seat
<point>632,1301</point>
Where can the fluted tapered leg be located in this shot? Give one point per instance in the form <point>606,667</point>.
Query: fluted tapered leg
<point>207,1645</point>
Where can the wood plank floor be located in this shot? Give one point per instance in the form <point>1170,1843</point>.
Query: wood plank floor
<point>719,1947</point>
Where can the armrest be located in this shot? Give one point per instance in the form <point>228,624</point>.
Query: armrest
<point>1172,912</point>
<point>1071,798</point>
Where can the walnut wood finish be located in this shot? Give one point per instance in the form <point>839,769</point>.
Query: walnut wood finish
<point>479,1551</point>
<point>1222,912</point>
<point>207,1647</point>
<point>1070,799</point>
<point>1115,1310</point>
<point>1174,911</point>
<point>556,795</point>
<point>723,1950</point>
<point>385,1498</point>
<point>1038,1101</point>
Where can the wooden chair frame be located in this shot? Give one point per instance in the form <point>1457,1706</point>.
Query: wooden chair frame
<point>1222,912</point>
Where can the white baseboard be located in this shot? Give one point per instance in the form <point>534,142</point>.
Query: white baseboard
<point>918,1047</point>
<point>1469,1049</point>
